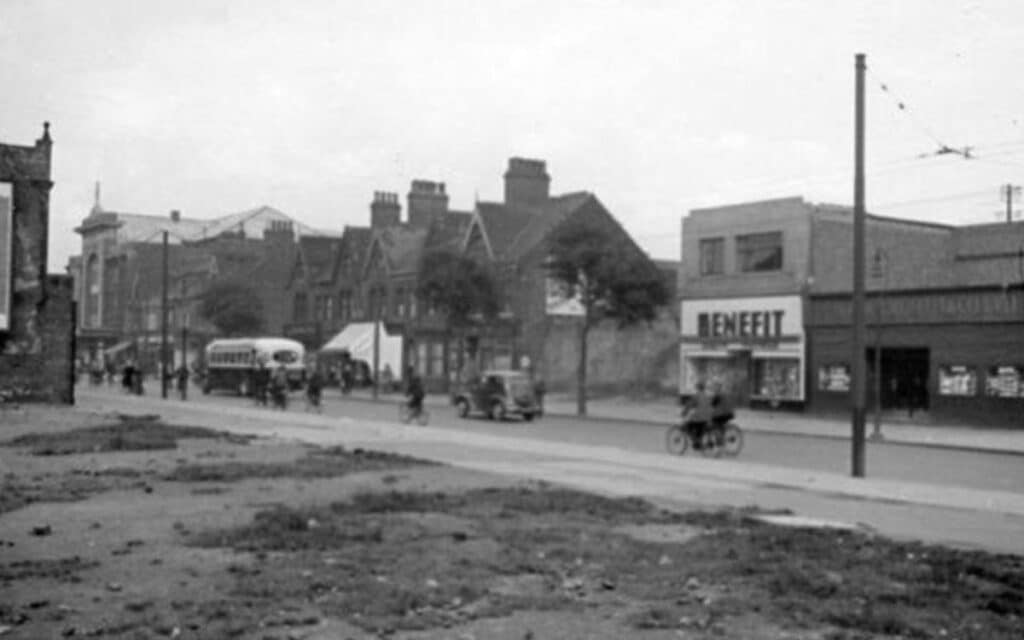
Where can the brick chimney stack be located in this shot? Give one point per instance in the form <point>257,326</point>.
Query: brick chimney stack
<point>279,232</point>
<point>385,210</point>
<point>427,201</point>
<point>175,214</point>
<point>526,182</point>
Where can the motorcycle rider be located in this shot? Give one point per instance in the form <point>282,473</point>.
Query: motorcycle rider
<point>721,409</point>
<point>697,413</point>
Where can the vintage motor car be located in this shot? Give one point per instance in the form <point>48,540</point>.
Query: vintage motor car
<point>498,394</point>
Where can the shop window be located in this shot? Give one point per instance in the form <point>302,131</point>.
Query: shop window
<point>958,380</point>
<point>777,378</point>
<point>1005,381</point>
<point>708,370</point>
<point>834,377</point>
<point>759,251</point>
<point>712,256</point>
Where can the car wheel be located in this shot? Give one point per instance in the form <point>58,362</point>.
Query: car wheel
<point>498,410</point>
<point>528,417</point>
<point>462,407</point>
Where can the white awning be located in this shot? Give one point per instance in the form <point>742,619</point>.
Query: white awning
<point>357,339</point>
<point>118,348</point>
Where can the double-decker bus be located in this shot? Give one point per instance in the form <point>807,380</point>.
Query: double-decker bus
<point>231,362</point>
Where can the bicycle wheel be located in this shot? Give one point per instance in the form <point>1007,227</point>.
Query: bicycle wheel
<point>404,413</point>
<point>710,443</point>
<point>732,440</point>
<point>423,417</point>
<point>676,440</point>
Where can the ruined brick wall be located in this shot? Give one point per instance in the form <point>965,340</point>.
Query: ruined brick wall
<point>43,375</point>
<point>35,354</point>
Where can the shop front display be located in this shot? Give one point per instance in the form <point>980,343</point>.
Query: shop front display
<point>753,348</point>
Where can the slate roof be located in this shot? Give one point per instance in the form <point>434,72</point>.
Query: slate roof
<point>403,247</point>
<point>512,231</point>
<point>318,254</point>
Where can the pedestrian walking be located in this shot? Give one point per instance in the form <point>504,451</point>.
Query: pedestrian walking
<point>181,376</point>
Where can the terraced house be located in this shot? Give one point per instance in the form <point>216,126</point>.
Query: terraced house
<point>534,328</point>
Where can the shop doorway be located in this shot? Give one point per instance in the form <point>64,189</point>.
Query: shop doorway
<point>904,373</point>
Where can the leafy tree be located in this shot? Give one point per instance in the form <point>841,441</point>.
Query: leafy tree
<point>609,278</point>
<point>233,307</point>
<point>459,287</point>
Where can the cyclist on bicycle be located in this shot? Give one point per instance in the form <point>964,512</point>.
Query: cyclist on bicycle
<point>697,413</point>
<point>414,391</point>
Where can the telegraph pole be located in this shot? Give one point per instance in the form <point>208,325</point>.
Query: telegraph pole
<point>857,358</point>
<point>1009,191</point>
<point>163,326</point>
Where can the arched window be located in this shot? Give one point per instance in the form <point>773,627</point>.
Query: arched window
<point>92,292</point>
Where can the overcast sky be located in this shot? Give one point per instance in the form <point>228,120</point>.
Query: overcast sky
<point>657,107</point>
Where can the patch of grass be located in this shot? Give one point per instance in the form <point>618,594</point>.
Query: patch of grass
<point>318,463</point>
<point>127,435</point>
<point>61,569</point>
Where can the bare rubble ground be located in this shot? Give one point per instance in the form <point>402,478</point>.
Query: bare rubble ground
<point>125,527</point>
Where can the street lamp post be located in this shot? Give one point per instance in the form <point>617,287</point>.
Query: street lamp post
<point>878,272</point>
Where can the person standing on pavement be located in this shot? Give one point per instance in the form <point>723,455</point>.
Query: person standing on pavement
<point>181,376</point>
<point>314,389</point>
<point>414,391</point>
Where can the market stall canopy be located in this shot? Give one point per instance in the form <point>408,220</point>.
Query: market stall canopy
<point>357,339</point>
<point>118,348</point>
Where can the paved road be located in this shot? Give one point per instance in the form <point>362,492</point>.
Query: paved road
<point>893,461</point>
<point>964,517</point>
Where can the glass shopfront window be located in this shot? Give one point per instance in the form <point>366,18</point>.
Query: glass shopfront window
<point>777,378</point>
<point>1005,381</point>
<point>834,377</point>
<point>958,380</point>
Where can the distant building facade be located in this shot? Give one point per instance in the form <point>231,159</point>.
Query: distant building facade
<point>119,276</point>
<point>766,304</point>
<point>36,309</point>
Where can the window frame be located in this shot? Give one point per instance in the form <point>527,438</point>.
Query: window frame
<point>717,266</point>
<point>748,244</point>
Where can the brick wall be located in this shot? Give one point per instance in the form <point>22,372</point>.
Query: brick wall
<point>44,375</point>
<point>35,355</point>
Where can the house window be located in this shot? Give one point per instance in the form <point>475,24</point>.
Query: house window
<point>324,308</point>
<point>712,256</point>
<point>301,310</point>
<point>344,305</point>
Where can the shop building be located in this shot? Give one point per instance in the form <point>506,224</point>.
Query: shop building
<point>742,283</point>
<point>945,320</point>
<point>766,302</point>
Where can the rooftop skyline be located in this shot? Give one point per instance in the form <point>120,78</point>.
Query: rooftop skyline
<point>656,107</point>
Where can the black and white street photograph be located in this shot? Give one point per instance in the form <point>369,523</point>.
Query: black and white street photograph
<point>511,320</point>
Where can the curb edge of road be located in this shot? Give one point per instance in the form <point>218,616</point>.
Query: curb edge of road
<point>777,432</point>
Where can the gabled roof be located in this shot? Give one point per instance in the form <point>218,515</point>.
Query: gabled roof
<point>549,215</point>
<point>447,230</point>
<point>512,231</point>
<point>317,255</point>
<point>402,247</point>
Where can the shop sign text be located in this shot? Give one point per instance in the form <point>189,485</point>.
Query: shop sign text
<point>740,324</point>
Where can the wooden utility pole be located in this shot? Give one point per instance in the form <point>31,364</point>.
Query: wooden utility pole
<point>1009,190</point>
<point>163,326</point>
<point>857,358</point>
